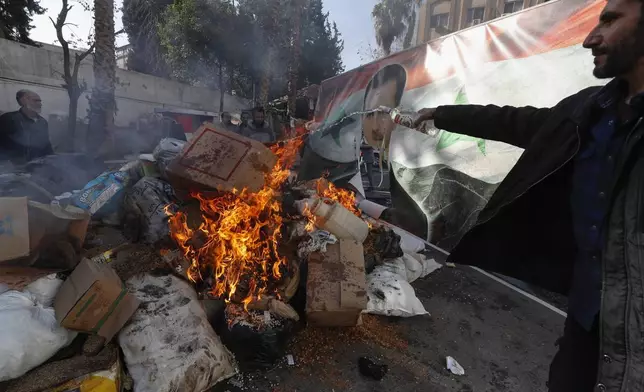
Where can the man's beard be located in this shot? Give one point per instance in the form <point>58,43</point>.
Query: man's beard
<point>621,59</point>
<point>34,109</point>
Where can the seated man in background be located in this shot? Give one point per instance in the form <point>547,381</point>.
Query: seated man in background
<point>24,134</point>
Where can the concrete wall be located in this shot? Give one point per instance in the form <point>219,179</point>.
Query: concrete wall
<point>39,69</point>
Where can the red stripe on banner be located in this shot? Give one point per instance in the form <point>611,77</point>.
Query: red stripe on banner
<point>536,31</point>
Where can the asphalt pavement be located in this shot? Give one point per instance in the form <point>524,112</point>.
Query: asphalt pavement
<point>503,340</point>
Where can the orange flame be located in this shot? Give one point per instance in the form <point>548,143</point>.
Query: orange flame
<point>344,197</point>
<point>237,241</point>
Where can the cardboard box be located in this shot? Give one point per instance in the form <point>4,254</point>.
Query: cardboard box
<point>336,290</point>
<point>221,160</point>
<point>27,225</point>
<point>94,300</point>
<point>14,228</point>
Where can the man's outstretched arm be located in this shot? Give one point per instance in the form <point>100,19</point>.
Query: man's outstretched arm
<point>506,124</point>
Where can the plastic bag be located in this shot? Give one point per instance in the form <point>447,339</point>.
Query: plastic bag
<point>44,289</point>
<point>166,151</point>
<point>168,345</point>
<point>389,289</point>
<point>145,205</point>
<point>391,295</point>
<point>257,338</point>
<point>30,333</point>
<point>104,381</point>
<point>103,195</point>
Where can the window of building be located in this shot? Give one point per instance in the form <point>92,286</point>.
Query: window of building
<point>512,6</point>
<point>474,16</point>
<point>440,20</point>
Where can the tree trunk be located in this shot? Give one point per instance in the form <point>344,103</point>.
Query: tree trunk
<point>265,83</point>
<point>102,102</point>
<point>222,90</point>
<point>72,115</point>
<point>273,33</point>
<point>298,8</point>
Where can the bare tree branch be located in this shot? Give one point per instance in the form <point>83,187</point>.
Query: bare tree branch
<point>58,25</point>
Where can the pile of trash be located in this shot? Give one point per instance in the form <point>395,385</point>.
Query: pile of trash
<point>175,270</point>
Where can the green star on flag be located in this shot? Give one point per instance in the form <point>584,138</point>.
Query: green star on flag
<point>448,138</point>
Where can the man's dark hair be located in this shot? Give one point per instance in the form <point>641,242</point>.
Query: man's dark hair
<point>258,109</point>
<point>390,72</point>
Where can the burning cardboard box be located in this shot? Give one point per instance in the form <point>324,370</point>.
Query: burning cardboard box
<point>221,160</point>
<point>336,290</point>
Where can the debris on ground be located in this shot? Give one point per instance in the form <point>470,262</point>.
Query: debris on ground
<point>175,249</point>
<point>371,369</point>
<point>53,374</point>
<point>454,367</point>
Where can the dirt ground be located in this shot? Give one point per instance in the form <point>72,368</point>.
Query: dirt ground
<point>503,340</point>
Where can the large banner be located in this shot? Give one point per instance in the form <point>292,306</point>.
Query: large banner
<point>531,58</point>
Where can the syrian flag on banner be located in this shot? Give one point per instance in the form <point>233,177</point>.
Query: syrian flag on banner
<point>532,58</point>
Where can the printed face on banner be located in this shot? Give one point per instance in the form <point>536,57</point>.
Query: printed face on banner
<point>385,89</point>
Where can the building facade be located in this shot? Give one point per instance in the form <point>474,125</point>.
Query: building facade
<point>122,53</point>
<point>442,17</point>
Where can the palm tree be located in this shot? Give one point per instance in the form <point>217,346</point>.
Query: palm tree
<point>102,102</point>
<point>394,20</point>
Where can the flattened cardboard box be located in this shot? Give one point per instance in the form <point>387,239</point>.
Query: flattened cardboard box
<point>93,299</point>
<point>336,290</point>
<point>222,160</point>
<point>25,225</point>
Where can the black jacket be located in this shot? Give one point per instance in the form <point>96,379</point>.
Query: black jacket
<point>525,231</point>
<point>23,139</point>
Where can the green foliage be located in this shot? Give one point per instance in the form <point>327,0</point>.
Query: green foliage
<point>394,21</point>
<point>200,38</point>
<point>16,17</point>
<point>140,21</point>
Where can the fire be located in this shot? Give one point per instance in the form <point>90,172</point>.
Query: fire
<point>236,245</point>
<point>344,197</point>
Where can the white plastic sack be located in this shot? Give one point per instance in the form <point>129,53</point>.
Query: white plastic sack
<point>168,344</point>
<point>391,295</point>
<point>389,290</point>
<point>30,333</point>
<point>45,289</point>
